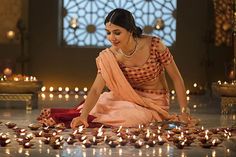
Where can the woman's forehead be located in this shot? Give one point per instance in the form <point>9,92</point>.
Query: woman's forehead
<point>111,27</point>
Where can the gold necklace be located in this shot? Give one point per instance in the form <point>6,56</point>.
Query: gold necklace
<point>132,52</point>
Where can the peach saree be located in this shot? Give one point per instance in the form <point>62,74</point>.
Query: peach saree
<point>123,105</point>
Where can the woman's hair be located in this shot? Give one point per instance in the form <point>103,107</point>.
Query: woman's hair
<point>124,19</point>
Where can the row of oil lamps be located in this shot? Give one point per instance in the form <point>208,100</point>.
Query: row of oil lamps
<point>150,136</point>
<point>19,78</point>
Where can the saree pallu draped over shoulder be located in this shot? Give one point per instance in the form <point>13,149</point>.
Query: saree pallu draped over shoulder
<point>124,105</point>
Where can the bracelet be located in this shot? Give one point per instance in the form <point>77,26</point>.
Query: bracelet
<point>185,110</point>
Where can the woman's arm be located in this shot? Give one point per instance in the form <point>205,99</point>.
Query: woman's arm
<point>175,76</point>
<point>90,101</point>
<point>93,95</point>
<point>179,86</point>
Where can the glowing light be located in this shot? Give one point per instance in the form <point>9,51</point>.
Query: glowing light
<point>43,89</point>
<point>188,98</point>
<point>187,92</point>
<point>59,89</point>
<point>67,96</point>
<point>172,91</point>
<point>43,96</point>
<point>11,34</point>
<point>67,89</point>
<point>51,95</point>
<point>76,89</point>
<point>60,96</point>
<point>51,89</point>
<point>85,89</point>
<point>195,85</point>
<point>213,154</point>
<point>172,97</point>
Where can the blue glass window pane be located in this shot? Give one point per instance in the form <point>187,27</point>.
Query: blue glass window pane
<point>90,15</point>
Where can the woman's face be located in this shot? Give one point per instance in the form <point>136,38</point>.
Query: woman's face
<point>118,36</point>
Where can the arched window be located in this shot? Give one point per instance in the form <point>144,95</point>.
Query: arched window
<point>82,20</point>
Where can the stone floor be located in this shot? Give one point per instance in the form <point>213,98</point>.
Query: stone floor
<point>205,107</point>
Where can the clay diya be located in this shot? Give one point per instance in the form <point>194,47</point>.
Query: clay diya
<point>86,143</point>
<point>27,145</point>
<point>70,140</point>
<point>34,126</point>
<point>10,125</point>
<point>113,144</point>
<point>138,144</point>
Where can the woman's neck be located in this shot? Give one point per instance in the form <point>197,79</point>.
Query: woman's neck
<point>130,47</point>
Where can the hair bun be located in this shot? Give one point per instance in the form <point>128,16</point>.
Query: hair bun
<point>138,31</point>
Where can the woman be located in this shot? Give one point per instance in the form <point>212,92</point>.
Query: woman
<point>133,68</point>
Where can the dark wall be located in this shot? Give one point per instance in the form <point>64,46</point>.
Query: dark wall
<point>196,56</point>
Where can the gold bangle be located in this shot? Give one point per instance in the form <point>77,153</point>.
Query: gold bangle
<point>185,110</point>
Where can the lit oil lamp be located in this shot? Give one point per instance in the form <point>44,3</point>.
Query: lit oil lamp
<point>159,132</point>
<point>28,145</point>
<point>38,133</point>
<point>76,134</point>
<point>47,140</point>
<point>20,131</point>
<point>204,133</point>
<point>4,140</point>
<point>60,127</point>
<point>138,144</point>
<point>4,143</point>
<point>113,144</point>
<point>46,129</point>
<point>86,143</point>
<point>215,142</point>
<point>133,139</point>
<point>177,130</point>
<point>10,125</point>
<point>195,130</point>
<point>56,144</point>
<point>82,138</point>
<point>95,141</point>
<point>160,141</point>
<point>180,144</point>
<point>70,140</point>
<point>21,141</point>
<point>188,142</point>
<point>151,143</point>
<point>34,126</point>
<point>147,135</point>
<point>169,135</point>
<point>122,141</point>
<point>50,134</point>
<point>99,133</point>
<point>204,139</point>
<point>16,128</point>
<point>117,130</point>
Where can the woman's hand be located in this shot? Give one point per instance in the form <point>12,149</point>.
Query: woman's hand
<point>185,118</point>
<point>188,119</point>
<point>78,121</point>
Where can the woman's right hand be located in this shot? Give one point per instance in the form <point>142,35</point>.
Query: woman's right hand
<point>78,121</point>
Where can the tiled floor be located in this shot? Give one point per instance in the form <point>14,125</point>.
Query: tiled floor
<point>205,107</point>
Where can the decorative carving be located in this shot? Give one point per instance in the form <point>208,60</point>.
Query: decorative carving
<point>223,22</point>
